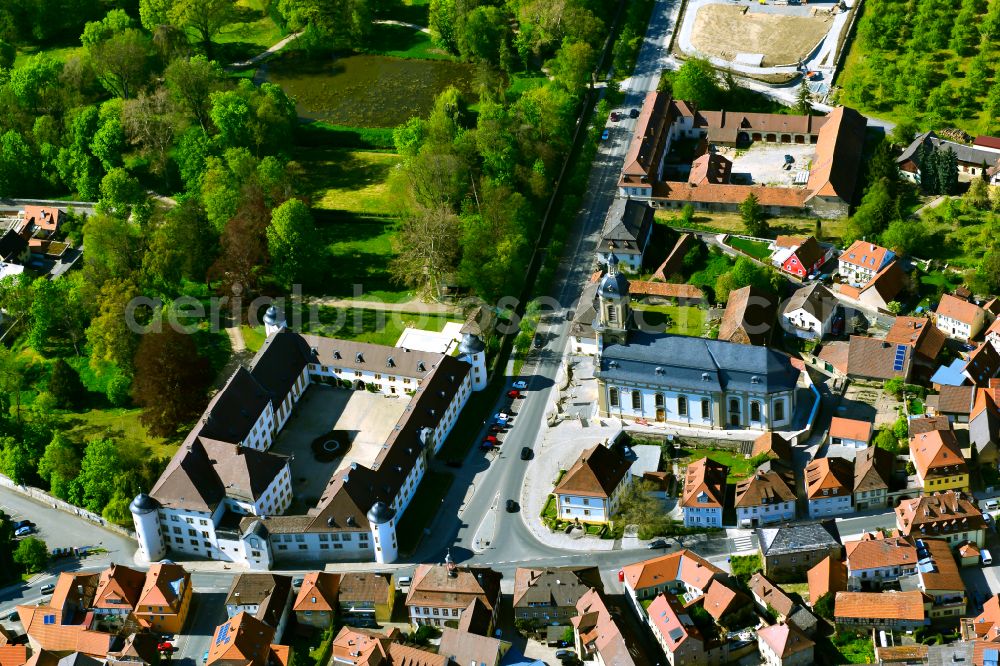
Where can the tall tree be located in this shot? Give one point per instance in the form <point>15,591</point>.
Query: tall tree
<point>170,380</point>
<point>101,470</point>
<point>110,336</point>
<point>59,465</point>
<point>32,554</point>
<point>65,385</point>
<point>289,242</point>
<point>426,247</point>
<point>752,215</point>
<point>191,82</point>
<point>696,82</point>
<point>803,99</point>
<point>148,125</point>
<point>203,17</point>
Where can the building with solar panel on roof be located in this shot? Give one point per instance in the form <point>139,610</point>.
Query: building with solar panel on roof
<point>684,380</point>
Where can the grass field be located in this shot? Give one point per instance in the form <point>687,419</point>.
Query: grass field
<point>366,90</point>
<point>349,180</point>
<point>739,467</point>
<point>360,249</point>
<point>253,31</point>
<point>679,319</point>
<point>830,230</point>
<point>61,53</point>
<point>726,30</point>
<point>755,249</point>
<point>403,42</point>
<point>121,425</point>
<point>426,504</point>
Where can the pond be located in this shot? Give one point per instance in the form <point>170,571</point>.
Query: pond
<point>367,90</point>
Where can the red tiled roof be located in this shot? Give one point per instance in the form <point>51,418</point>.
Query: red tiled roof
<point>884,605</point>
<point>851,429</point>
<point>958,309</point>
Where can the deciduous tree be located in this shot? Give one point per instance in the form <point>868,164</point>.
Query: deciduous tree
<point>32,554</point>
<point>191,81</point>
<point>290,239</point>
<point>697,82</point>
<point>65,385</point>
<point>204,17</point>
<point>170,380</point>
<point>109,334</point>
<point>426,247</point>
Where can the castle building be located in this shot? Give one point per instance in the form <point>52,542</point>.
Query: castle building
<point>225,494</point>
<point>684,380</point>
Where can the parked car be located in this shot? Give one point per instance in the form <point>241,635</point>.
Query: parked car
<point>514,394</point>
<point>562,654</point>
<point>520,385</point>
<point>167,637</point>
<point>502,417</point>
<point>789,159</point>
<point>165,646</point>
<point>985,557</point>
<point>634,113</point>
<point>404,581</point>
<point>24,531</point>
<point>496,427</point>
<point>511,506</point>
<point>14,617</point>
<point>47,588</point>
<point>491,440</point>
<point>605,134</point>
<point>23,523</point>
<point>615,116</point>
<point>298,582</point>
<point>526,453</point>
<point>204,657</point>
<point>659,543</point>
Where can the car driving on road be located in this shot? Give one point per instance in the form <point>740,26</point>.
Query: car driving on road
<point>520,385</point>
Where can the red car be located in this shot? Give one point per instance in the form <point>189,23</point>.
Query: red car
<point>513,393</point>
<point>491,440</point>
<point>165,647</point>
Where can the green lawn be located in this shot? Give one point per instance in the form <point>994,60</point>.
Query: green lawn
<point>755,249</point>
<point>350,180</point>
<point>830,230</point>
<point>679,319</point>
<point>851,648</point>
<point>522,82</point>
<point>61,53</point>
<point>403,42</point>
<point>426,504</point>
<point>359,251</point>
<point>739,467</point>
<point>120,424</point>
<point>374,326</point>
<point>253,32</point>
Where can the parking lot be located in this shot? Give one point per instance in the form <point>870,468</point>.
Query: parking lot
<point>763,163</point>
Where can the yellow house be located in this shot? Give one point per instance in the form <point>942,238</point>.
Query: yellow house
<point>366,598</point>
<point>165,599</point>
<point>937,458</point>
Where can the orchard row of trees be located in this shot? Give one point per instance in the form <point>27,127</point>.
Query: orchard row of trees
<point>936,59</point>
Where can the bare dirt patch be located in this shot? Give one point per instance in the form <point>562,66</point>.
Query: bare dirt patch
<point>727,30</point>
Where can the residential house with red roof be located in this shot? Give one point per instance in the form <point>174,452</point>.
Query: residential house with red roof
<point>877,559</point>
<point>316,603</point>
<point>246,641</point>
<point>862,260</point>
<point>958,318</point>
<point>704,494</point>
<point>440,593</point>
<point>589,491</point>
<point>829,487</point>
<point>680,572</point>
<point>749,318</point>
<point>986,625</point>
<point>993,334</point>
<point>850,432</point>
<point>880,610</point>
<point>920,334</point>
<point>984,424</point>
<point>783,644</point>
<point>828,576</point>
<point>937,458</point>
<point>119,590</point>
<point>674,630</point>
<point>602,637</point>
<point>881,290</point>
<point>983,365</point>
<point>165,598</point>
<point>948,515</point>
<point>727,604</point>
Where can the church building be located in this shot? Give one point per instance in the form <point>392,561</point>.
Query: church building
<point>684,380</point>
